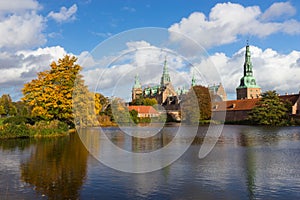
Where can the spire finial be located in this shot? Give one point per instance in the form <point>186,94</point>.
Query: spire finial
<point>165,76</point>
<point>193,80</point>
<point>137,81</point>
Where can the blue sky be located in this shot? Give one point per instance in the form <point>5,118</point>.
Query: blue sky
<point>34,33</point>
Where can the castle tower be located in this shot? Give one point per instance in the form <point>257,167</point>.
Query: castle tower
<point>137,91</point>
<point>193,81</point>
<point>166,87</point>
<point>248,89</point>
<point>165,78</point>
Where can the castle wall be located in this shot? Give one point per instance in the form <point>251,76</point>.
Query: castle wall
<point>233,115</point>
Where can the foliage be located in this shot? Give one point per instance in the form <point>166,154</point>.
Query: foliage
<point>134,116</point>
<point>144,101</point>
<point>199,95</point>
<point>14,131</point>
<point>50,95</point>
<point>6,106</point>
<point>46,128</point>
<point>84,108</point>
<point>17,120</point>
<point>22,108</point>
<point>105,120</point>
<point>101,103</point>
<point>270,110</point>
<point>41,128</point>
<point>120,111</point>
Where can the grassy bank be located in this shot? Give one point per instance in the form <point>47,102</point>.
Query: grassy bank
<point>39,129</point>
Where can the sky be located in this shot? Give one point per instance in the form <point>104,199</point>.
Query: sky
<point>205,38</point>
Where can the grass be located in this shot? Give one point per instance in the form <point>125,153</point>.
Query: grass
<point>39,129</point>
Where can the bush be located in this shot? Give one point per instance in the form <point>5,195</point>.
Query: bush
<point>17,120</point>
<point>55,127</point>
<point>15,131</point>
<point>41,128</point>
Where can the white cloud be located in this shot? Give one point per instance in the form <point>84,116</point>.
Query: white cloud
<point>23,66</point>
<point>226,21</point>
<point>64,14</point>
<point>114,76</point>
<point>21,25</point>
<point>277,10</point>
<point>273,71</point>
<point>13,6</point>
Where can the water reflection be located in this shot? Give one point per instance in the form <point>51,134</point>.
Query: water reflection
<point>57,167</point>
<point>247,163</point>
<point>13,144</point>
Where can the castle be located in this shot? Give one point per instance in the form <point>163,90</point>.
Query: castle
<point>166,95</point>
<point>248,94</point>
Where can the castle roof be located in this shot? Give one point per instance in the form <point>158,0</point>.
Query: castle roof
<point>143,109</point>
<point>242,104</point>
<point>248,104</point>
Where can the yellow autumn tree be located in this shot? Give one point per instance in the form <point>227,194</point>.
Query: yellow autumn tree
<point>50,95</point>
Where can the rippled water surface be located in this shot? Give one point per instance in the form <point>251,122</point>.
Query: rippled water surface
<point>247,163</point>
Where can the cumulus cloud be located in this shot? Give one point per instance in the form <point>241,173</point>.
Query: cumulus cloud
<point>277,10</point>
<point>23,66</point>
<point>226,21</point>
<point>65,14</point>
<point>114,75</point>
<point>21,25</point>
<point>18,5</point>
<point>273,70</point>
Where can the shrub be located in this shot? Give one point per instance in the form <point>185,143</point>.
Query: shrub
<point>17,120</point>
<point>15,131</point>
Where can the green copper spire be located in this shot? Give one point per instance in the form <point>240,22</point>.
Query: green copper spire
<point>193,80</point>
<point>248,80</point>
<point>248,65</point>
<point>137,82</point>
<point>165,78</point>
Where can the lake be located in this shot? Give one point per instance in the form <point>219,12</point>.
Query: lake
<point>248,162</point>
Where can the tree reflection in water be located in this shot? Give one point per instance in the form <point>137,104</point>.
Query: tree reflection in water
<point>57,167</point>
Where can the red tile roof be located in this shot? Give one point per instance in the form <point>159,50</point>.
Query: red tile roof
<point>143,109</point>
<point>243,104</point>
<point>248,104</point>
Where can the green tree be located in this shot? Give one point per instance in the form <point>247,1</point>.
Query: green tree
<point>270,110</point>
<point>8,106</point>
<point>22,108</point>
<point>149,102</point>
<point>120,111</point>
<point>138,101</point>
<point>2,111</point>
<point>134,116</point>
<point>198,95</point>
<point>50,95</point>
<point>101,103</point>
<point>144,101</point>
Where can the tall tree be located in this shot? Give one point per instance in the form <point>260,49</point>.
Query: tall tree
<point>198,95</point>
<point>50,95</point>
<point>8,107</point>
<point>270,110</point>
